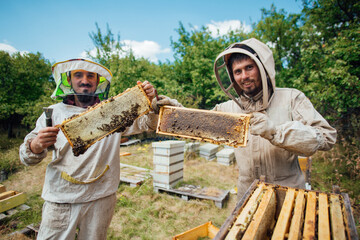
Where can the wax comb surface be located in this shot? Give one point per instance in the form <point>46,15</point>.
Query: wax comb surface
<point>109,116</point>
<point>204,125</point>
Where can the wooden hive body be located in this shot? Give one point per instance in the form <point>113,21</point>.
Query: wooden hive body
<point>293,214</point>
<point>107,117</point>
<point>204,125</point>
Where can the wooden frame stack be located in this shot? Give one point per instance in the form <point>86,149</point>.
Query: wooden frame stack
<point>269,211</point>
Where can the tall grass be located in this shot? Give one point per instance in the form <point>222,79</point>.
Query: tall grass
<point>9,154</point>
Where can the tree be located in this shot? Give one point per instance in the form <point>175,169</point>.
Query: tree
<point>330,62</point>
<point>282,32</point>
<point>195,52</point>
<point>106,46</point>
<point>22,79</point>
<point>125,67</point>
<point>128,70</point>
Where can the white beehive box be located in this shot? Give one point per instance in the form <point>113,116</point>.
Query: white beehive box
<point>168,163</point>
<point>208,151</point>
<point>225,156</point>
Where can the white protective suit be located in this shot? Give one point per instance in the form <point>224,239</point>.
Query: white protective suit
<point>298,128</point>
<point>85,167</point>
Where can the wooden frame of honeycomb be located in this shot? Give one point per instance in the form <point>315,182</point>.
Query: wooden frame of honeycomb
<point>109,116</point>
<point>204,125</point>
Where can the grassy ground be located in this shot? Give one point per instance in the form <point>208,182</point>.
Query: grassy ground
<point>140,212</point>
<point>143,214</point>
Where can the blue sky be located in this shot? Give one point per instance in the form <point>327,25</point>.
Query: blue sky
<point>60,29</point>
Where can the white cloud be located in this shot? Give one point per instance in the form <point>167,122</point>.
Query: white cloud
<point>222,28</point>
<point>10,49</point>
<point>146,49</point>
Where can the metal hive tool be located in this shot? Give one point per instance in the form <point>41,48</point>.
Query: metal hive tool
<point>109,116</point>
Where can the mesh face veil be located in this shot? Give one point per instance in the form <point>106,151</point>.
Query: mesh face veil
<point>61,71</point>
<point>262,56</point>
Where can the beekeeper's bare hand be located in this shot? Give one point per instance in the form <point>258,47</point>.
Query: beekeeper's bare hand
<point>164,100</point>
<point>260,124</point>
<point>148,88</point>
<point>45,138</point>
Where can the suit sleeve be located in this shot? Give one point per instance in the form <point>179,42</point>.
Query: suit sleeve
<point>27,157</point>
<point>307,132</point>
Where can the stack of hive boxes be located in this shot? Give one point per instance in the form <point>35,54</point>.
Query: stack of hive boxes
<point>192,147</point>
<point>208,151</point>
<point>226,156</point>
<point>168,163</point>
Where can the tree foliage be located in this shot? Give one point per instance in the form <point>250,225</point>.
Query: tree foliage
<point>330,61</point>
<point>194,53</point>
<point>125,67</point>
<point>22,79</point>
<point>282,32</point>
<point>107,47</point>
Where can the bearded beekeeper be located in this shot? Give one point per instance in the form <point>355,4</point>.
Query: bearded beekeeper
<point>284,124</point>
<point>85,199</point>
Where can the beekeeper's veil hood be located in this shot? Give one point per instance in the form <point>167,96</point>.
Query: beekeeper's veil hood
<point>61,73</point>
<point>263,57</point>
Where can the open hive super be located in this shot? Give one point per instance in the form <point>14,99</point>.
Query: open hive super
<point>204,125</point>
<point>107,117</point>
<point>274,212</point>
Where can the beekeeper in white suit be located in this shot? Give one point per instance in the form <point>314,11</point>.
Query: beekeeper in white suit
<point>84,199</point>
<point>284,124</point>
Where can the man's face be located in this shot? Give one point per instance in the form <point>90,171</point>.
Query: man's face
<point>83,81</point>
<point>247,76</point>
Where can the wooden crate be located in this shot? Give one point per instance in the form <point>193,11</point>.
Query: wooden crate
<point>268,211</point>
<point>10,199</point>
<point>204,125</point>
<point>305,166</point>
<point>204,230</point>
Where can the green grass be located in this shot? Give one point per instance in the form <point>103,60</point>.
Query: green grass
<point>141,213</point>
<point>9,154</point>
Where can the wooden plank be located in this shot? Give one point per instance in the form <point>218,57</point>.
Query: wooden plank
<point>219,199</point>
<point>12,201</point>
<point>204,125</point>
<point>195,233</point>
<point>6,194</point>
<point>109,116</point>
<point>298,217</point>
<point>323,221</point>
<point>244,219</point>
<point>2,188</point>
<point>212,230</point>
<point>349,218</point>
<point>263,217</point>
<point>204,230</point>
<point>310,215</point>
<point>133,175</point>
<point>123,154</point>
<point>336,217</point>
<point>232,217</point>
<point>283,222</point>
